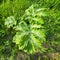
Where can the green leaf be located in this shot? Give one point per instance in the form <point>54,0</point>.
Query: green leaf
<point>30,36</point>
<point>10,21</point>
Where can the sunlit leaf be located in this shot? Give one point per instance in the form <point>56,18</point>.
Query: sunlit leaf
<point>30,36</point>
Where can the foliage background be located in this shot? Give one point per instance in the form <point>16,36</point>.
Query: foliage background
<point>17,8</point>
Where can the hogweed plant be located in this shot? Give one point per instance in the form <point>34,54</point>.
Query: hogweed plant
<point>30,33</point>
